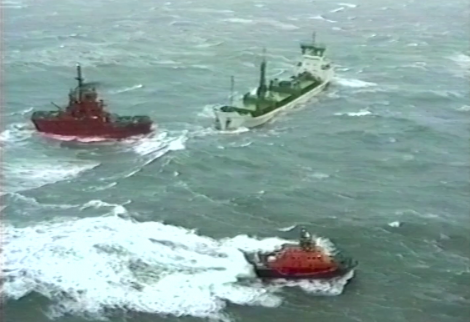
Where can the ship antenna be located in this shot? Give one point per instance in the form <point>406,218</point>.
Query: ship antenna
<point>314,36</point>
<point>232,88</point>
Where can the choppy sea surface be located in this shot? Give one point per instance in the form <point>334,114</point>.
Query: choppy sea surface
<point>151,229</point>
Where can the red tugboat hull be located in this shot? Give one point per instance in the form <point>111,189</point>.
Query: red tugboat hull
<point>89,128</point>
<point>85,117</point>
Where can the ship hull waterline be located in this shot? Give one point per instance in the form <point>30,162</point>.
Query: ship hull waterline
<point>264,272</point>
<point>247,121</point>
<point>80,130</point>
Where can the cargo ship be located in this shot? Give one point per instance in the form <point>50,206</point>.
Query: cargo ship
<point>312,75</point>
<point>85,116</point>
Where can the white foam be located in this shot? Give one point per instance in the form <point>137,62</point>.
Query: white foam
<point>127,89</point>
<point>211,130</point>
<point>362,112</point>
<point>320,17</point>
<point>15,133</point>
<point>355,83</point>
<point>102,187</point>
<point>150,148</point>
<point>277,24</point>
<point>71,138</point>
<point>337,10</point>
<point>350,5</point>
<point>26,203</point>
<point>289,228</point>
<point>319,175</point>
<point>116,209</point>
<point>234,131</point>
<point>395,224</point>
<point>239,20</point>
<point>464,108</point>
<point>265,21</point>
<point>12,5</point>
<point>158,144</point>
<point>207,111</point>
<point>463,62</point>
<point>25,174</point>
<point>86,266</point>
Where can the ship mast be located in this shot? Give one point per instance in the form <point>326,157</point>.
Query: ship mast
<point>80,80</point>
<point>262,80</point>
<point>232,88</point>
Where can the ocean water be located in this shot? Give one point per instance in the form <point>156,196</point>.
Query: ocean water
<point>151,229</point>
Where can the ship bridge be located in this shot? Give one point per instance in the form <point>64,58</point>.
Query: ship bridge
<point>312,48</point>
<point>313,59</point>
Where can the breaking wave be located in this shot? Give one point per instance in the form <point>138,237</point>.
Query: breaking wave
<point>21,173</point>
<point>355,83</point>
<point>90,266</point>
<point>362,112</point>
<point>463,62</point>
<point>15,132</point>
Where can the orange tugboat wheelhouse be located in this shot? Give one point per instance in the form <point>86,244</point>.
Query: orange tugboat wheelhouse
<point>304,260</point>
<point>85,116</point>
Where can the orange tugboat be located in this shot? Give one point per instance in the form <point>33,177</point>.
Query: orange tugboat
<point>304,260</point>
<point>85,116</point>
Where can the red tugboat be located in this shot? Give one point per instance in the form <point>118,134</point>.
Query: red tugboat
<point>300,261</point>
<point>85,117</point>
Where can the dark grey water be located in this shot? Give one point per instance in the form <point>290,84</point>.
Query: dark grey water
<point>379,164</point>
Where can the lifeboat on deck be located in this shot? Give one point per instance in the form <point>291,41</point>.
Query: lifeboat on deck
<point>304,260</point>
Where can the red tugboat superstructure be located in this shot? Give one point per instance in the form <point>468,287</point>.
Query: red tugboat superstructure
<point>85,116</point>
<point>304,260</point>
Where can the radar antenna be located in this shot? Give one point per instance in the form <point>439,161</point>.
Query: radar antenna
<point>79,77</point>
<point>80,80</point>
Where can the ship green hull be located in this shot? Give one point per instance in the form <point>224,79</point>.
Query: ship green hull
<point>267,106</point>
<point>287,100</point>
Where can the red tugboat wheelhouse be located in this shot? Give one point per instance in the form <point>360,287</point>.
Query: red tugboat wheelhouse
<point>85,117</point>
<point>304,260</point>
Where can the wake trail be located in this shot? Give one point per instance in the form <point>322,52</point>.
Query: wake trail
<point>88,266</point>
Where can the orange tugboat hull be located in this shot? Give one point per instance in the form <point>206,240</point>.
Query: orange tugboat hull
<point>90,128</point>
<point>263,271</point>
<point>302,260</point>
